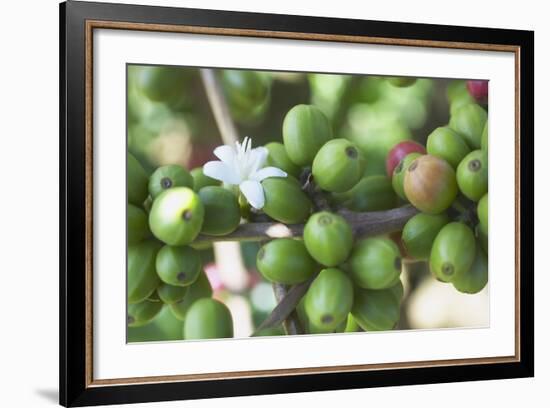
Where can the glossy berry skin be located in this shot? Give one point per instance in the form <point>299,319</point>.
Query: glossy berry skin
<point>398,177</point>
<point>453,251</point>
<point>138,227</point>
<point>198,290</point>
<point>208,319</point>
<point>483,214</point>
<point>376,310</point>
<point>162,84</point>
<point>305,130</point>
<point>448,145</point>
<point>278,157</point>
<point>176,216</point>
<point>338,166</point>
<point>399,152</point>
<point>472,175</point>
<point>142,277</point>
<point>139,314</point>
<point>476,278</point>
<point>419,234</point>
<point>169,176</point>
<point>468,121</point>
<point>178,265</point>
<point>371,193</point>
<point>200,180</point>
<point>402,82</point>
<point>329,299</point>
<point>170,294</point>
<point>285,261</point>
<point>285,201</point>
<point>222,213</point>
<point>479,90</point>
<point>375,263</point>
<point>430,184</point>
<point>137,181</point>
<point>245,90</point>
<point>328,238</point>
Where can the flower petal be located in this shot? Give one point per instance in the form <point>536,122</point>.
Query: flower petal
<point>253,192</point>
<point>267,172</point>
<point>259,156</point>
<point>221,171</point>
<point>225,153</point>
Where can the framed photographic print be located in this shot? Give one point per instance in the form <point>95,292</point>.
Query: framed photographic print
<point>255,203</point>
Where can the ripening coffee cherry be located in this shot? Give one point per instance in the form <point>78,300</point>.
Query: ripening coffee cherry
<point>448,145</point>
<point>137,181</point>
<point>200,180</point>
<point>285,261</point>
<point>419,234</point>
<point>138,227</point>
<point>208,319</point>
<point>178,265</point>
<point>162,84</point>
<point>479,90</point>
<point>475,279</point>
<point>485,138</point>
<point>468,121</point>
<point>328,238</point>
<point>398,177</point>
<point>169,176</point>
<point>472,175</point>
<point>329,299</point>
<point>399,152</point>
<point>170,294</point>
<point>372,193</point>
<point>176,216</point>
<point>375,263</point>
<point>376,310</point>
<point>483,214</point>
<point>402,82</point>
<point>285,201</point>
<point>430,184</point>
<point>305,130</point>
<point>278,157</point>
<point>338,166</point>
<point>198,290</point>
<point>222,213</point>
<point>139,314</point>
<point>142,277</point>
<point>453,251</point>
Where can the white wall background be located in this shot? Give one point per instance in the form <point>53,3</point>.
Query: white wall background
<point>29,201</point>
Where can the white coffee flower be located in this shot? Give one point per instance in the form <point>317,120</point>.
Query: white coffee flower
<point>243,166</point>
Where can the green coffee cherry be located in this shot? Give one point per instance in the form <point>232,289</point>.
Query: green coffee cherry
<point>397,290</point>
<point>208,319</point>
<point>170,294</point>
<point>162,84</point>
<point>278,157</point>
<point>329,299</point>
<point>138,228</point>
<point>430,184</point>
<point>448,145</point>
<point>285,201</point>
<point>137,181</point>
<point>399,172</point>
<point>328,238</point>
<point>305,130</point>
<point>139,314</point>
<point>419,234</point>
<point>472,175</point>
<point>338,166</point>
<point>222,213</point>
<point>375,310</point>
<point>469,121</point>
<point>198,290</point>
<point>176,216</point>
<point>375,263</point>
<point>169,176</point>
<point>178,266</point>
<point>485,138</point>
<point>142,277</point>
<point>483,214</point>
<point>285,261</point>
<point>245,90</point>
<point>200,180</point>
<point>475,279</point>
<point>402,82</point>
<point>373,193</point>
<point>453,252</point>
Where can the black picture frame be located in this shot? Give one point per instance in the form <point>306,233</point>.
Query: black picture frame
<point>75,387</point>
